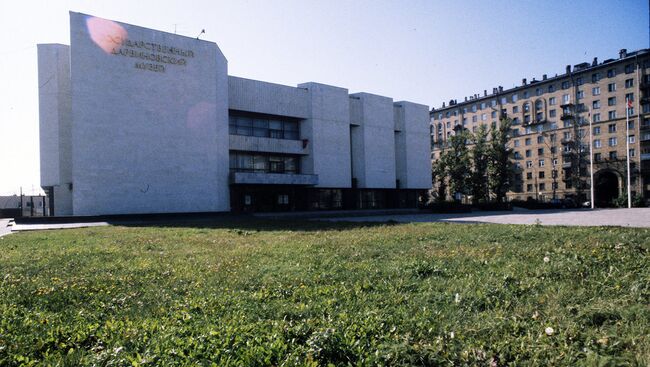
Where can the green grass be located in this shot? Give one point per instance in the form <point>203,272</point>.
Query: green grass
<point>289,293</point>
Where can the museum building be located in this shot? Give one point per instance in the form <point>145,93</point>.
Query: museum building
<point>134,120</point>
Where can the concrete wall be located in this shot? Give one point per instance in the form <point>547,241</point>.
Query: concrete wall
<point>261,97</point>
<point>268,145</point>
<point>55,123</point>
<point>373,141</point>
<point>147,140</point>
<point>328,132</point>
<point>412,145</point>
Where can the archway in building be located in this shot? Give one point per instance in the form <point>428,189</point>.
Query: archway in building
<point>606,189</point>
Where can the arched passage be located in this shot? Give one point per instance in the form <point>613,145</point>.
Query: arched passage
<point>606,189</point>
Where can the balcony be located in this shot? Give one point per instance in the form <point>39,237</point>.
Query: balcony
<point>645,156</point>
<point>643,127</point>
<point>566,165</point>
<point>264,178</point>
<point>568,104</point>
<point>567,116</point>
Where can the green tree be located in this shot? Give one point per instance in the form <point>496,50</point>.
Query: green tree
<point>439,177</point>
<point>500,168</point>
<point>479,174</point>
<point>457,162</point>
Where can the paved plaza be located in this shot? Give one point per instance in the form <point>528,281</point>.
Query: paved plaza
<point>635,217</point>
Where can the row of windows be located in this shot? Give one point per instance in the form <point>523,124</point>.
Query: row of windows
<point>264,127</point>
<point>264,163</point>
<point>611,87</point>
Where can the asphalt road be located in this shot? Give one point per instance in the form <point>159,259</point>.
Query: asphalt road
<point>635,217</point>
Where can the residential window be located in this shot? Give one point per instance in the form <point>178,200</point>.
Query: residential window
<point>612,142</point>
<point>540,151</point>
<point>629,97</point>
<point>529,187</point>
<point>566,84</point>
<point>566,98</point>
<point>528,153</point>
<point>611,115</point>
<point>579,80</point>
<point>541,163</point>
<point>540,139</point>
<point>631,139</point>
<point>612,155</point>
<point>630,124</point>
<point>629,68</point>
<point>526,107</point>
<point>611,101</point>
<point>611,73</point>
<point>539,116</point>
<point>580,94</point>
<point>552,113</point>
<point>528,130</point>
<point>541,174</point>
<point>504,100</point>
<point>595,91</point>
<point>494,114</point>
<point>526,94</point>
<point>611,128</point>
<point>551,88</point>
<point>528,141</point>
<point>529,164</point>
<point>595,77</point>
<point>598,157</point>
<point>538,91</point>
<point>629,83</point>
<point>483,117</point>
<point>261,162</point>
<point>597,143</point>
<point>529,175</point>
<point>515,121</point>
<point>473,108</point>
<point>474,118</point>
<point>596,117</point>
<point>448,125</point>
<point>552,101</point>
<point>483,105</point>
<point>515,97</point>
<point>632,152</point>
<point>567,136</point>
<point>597,130</point>
<point>539,105</point>
<point>542,186</point>
<point>516,143</point>
<point>595,105</point>
<point>526,119</point>
<point>515,109</point>
<point>611,87</point>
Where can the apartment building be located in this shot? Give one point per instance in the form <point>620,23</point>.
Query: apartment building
<point>550,132</point>
<point>135,120</point>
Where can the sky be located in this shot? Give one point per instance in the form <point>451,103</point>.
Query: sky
<point>422,51</point>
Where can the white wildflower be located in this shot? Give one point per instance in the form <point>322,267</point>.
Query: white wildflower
<point>457,298</point>
<point>451,335</point>
<point>546,259</point>
<point>549,331</point>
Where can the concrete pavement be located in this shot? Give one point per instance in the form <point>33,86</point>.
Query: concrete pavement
<point>635,217</point>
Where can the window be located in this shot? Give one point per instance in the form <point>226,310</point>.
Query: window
<point>580,94</point>
<point>611,73</point>
<point>529,164</point>
<point>540,139</point>
<point>539,116</point>
<point>612,155</point>
<point>483,117</point>
<point>552,101</point>
<point>483,105</point>
<point>504,100</point>
<point>631,139</point>
<point>528,141</point>
<point>516,143</point>
<point>611,128</point>
<point>595,77</point>
<point>473,108</point>
<point>474,118</point>
<point>528,153</point>
<point>529,175</point>
<point>538,91</point>
<point>611,87</point>
<point>552,113</point>
<point>595,105</point>
<point>597,143</point>
<point>541,174</point>
<point>632,152</point>
<point>252,125</point>
<point>541,163</point>
<point>566,98</point>
<point>629,97</point>
<point>612,142</point>
<point>515,97</point>
<point>629,83</point>
<point>529,187</point>
<point>551,88</point>
<point>567,136</point>
<point>552,138</point>
<point>579,80</point>
<point>515,121</point>
<point>596,117</point>
<point>611,115</point>
<point>629,68</point>
<point>598,157</point>
<point>611,101</point>
<point>539,105</point>
<point>595,91</point>
<point>542,186</point>
<point>525,94</point>
<point>261,162</point>
<point>515,109</point>
<point>283,199</point>
<point>540,151</point>
<point>494,114</point>
<point>566,84</point>
<point>630,125</point>
<point>597,130</point>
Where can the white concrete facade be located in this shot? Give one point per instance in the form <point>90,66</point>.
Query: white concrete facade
<point>134,120</point>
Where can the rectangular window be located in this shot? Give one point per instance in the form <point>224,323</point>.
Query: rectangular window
<point>552,113</point>
<point>529,187</point>
<point>541,163</point>
<point>525,94</point>
<point>629,97</point>
<point>629,68</point>
<point>528,141</point>
<point>579,80</point>
<point>566,98</point>
<point>611,128</point>
<point>551,88</point>
<point>515,109</point>
<point>611,87</point>
<point>598,157</point>
<point>612,142</point>
<point>629,83</point>
<point>596,117</point>
<point>529,164</point>
<point>597,130</point>
<point>540,151</point>
<point>516,143</point>
<point>538,91</point>
<point>542,186</point>
<point>529,175</point>
<point>528,153</point>
<point>515,97</point>
<point>566,84</point>
<point>631,139</point>
<point>540,139</point>
<point>611,101</point>
<point>597,143</point>
<point>595,77</point>
<point>580,94</point>
<point>252,125</point>
<point>552,101</point>
<point>611,73</point>
<point>612,155</point>
<point>595,91</point>
<point>630,125</point>
<point>611,115</point>
<point>632,153</point>
<point>595,105</point>
<point>474,118</point>
<point>541,174</point>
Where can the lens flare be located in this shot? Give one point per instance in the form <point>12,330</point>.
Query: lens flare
<point>105,33</point>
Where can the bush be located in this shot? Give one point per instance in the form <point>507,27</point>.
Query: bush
<point>494,206</point>
<point>621,201</point>
<point>450,207</point>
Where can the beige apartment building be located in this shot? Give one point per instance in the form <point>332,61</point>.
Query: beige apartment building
<point>550,135</point>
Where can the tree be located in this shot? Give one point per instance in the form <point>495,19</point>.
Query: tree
<point>439,177</point>
<point>500,168</point>
<point>457,162</point>
<point>479,175</point>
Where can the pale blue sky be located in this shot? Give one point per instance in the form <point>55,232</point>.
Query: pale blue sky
<point>423,51</point>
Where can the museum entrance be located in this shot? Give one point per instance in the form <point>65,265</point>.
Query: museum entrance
<point>607,189</point>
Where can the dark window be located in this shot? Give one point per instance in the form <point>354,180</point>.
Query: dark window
<point>264,126</point>
<point>263,163</point>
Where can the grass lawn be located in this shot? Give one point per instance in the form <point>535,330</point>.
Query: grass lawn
<point>255,292</point>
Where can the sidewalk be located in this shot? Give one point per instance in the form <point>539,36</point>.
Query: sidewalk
<point>5,229</point>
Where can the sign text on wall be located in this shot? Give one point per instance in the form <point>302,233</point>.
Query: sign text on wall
<point>155,56</point>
